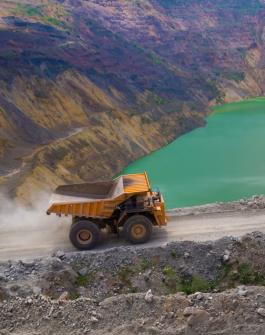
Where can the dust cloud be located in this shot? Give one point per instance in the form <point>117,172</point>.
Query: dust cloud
<point>28,230</point>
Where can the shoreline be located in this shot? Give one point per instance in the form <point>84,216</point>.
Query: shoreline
<point>212,151</point>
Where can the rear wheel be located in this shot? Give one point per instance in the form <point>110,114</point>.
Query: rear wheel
<point>138,229</point>
<point>84,234</point>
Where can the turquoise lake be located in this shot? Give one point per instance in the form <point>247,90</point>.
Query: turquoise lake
<point>223,161</point>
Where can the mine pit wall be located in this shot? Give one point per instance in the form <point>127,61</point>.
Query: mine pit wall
<point>109,137</point>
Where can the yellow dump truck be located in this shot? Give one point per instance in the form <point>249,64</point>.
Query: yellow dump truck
<point>126,202</point>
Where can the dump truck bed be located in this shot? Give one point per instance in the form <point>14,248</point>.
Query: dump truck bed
<point>97,199</point>
<point>88,192</point>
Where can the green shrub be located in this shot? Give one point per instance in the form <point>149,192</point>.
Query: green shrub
<point>155,58</point>
<point>146,119</point>
<point>235,75</point>
<point>29,10</point>
<point>247,276</point>
<point>132,289</point>
<point>241,274</point>
<point>54,21</point>
<point>171,279</point>
<point>145,264</point>
<point>60,153</point>
<point>173,254</point>
<point>85,280</point>
<point>196,284</point>
<point>74,295</point>
<point>169,272</point>
<point>38,12</point>
<point>125,275</point>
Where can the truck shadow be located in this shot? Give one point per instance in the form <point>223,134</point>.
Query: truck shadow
<point>108,240</point>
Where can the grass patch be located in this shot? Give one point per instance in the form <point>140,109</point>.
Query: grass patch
<point>237,76</point>
<point>145,264</point>
<point>84,280</point>
<point>54,21</point>
<point>158,100</point>
<point>246,275</point>
<point>169,272</point>
<point>155,59</point>
<point>172,280</point>
<point>146,119</point>
<point>132,289</point>
<point>125,275</point>
<point>74,295</point>
<point>59,153</point>
<point>77,265</point>
<point>29,10</point>
<point>176,284</point>
<point>173,254</point>
<point>40,13</point>
<point>196,284</point>
<point>241,274</point>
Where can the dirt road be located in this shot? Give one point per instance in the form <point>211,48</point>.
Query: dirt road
<point>34,241</point>
<point>22,160</point>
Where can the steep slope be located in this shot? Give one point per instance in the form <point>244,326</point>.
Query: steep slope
<point>88,86</point>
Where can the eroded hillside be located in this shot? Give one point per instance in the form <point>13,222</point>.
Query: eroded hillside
<point>88,86</point>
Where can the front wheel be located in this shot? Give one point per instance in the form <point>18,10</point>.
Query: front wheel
<point>138,229</point>
<point>84,234</point>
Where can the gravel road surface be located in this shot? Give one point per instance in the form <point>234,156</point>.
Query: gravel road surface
<point>24,242</point>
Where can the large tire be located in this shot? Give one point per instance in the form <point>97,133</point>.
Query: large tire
<point>84,234</point>
<point>138,229</point>
<point>75,219</point>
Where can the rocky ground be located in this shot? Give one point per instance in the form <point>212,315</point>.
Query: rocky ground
<point>256,202</point>
<point>181,288</point>
<point>230,312</point>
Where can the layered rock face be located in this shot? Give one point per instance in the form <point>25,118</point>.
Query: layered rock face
<point>86,87</point>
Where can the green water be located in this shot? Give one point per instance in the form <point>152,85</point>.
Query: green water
<point>223,161</point>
